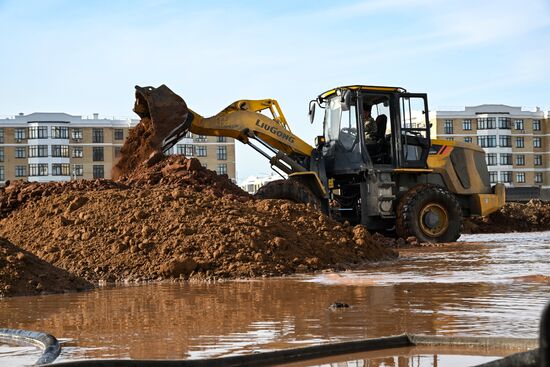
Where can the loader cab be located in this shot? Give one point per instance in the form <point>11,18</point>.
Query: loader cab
<point>376,141</point>
<point>374,127</point>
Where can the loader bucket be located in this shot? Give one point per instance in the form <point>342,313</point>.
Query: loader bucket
<point>163,114</point>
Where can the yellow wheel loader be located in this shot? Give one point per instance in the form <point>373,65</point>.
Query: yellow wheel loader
<point>374,163</point>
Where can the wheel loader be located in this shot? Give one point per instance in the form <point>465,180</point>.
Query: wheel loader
<point>374,164</point>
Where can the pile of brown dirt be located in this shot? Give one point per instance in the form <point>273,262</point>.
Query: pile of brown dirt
<point>23,274</point>
<point>161,111</point>
<point>20,192</point>
<point>513,217</point>
<point>177,170</point>
<point>175,219</point>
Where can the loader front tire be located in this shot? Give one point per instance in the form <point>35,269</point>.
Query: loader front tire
<point>430,213</point>
<point>288,190</point>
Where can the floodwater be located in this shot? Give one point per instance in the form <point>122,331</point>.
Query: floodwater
<point>488,285</point>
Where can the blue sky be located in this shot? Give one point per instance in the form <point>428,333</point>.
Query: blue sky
<point>83,57</point>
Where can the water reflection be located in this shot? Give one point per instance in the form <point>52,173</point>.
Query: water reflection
<point>412,357</point>
<point>496,288</point>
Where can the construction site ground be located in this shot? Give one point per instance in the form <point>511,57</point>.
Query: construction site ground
<point>172,219</point>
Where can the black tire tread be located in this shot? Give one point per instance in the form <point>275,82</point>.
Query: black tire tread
<point>407,213</point>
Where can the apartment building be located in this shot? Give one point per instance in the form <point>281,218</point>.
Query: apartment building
<point>60,147</point>
<point>216,153</point>
<point>516,141</point>
<point>253,183</point>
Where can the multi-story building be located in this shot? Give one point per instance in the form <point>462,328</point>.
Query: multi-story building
<point>252,183</point>
<point>60,147</point>
<point>216,153</point>
<point>516,141</point>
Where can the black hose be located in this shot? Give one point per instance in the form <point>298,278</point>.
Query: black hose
<point>48,343</point>
<point>317,351</point>
<point>545,337</point>
<point>260,359</point>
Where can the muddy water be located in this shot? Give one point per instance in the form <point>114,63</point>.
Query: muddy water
<point>487,285</point>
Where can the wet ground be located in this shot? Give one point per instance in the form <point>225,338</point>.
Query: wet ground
<point>488,285</point>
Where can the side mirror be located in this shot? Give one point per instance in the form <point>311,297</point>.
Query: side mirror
<point>311,112</point>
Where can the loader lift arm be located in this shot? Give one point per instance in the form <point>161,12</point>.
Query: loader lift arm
<point>259,120</point>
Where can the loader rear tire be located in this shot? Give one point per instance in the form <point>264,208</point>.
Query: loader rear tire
<point>430,213</point>
<point>288,190</point>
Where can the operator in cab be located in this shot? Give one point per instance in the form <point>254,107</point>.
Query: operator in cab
<point>369,124</point>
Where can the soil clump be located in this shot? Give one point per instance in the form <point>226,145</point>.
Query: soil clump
<point>177,220</point>
<point>512,217</point>
<point>23,274</point>
<point>161,111</point>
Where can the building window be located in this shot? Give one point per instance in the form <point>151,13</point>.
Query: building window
<point>78,170</point>
<point>1,154</point>
<point>486,123</point>
<point>20,152</point>
<point>117,151</point>
<point>185,149</point>
<point>468,139</point>
<point>518,125</point>
<point>119,134</point>
<point>520,160</point>
<point>78,152</point>
<point>448,127</point>
<point>487,141</point>
<point>504,123</point>
<point>538,177</point>
<point>504,141</point>
<point>537,143</point>
<point>1,136</point>
<point>60,132</point>
<point>2,176</point>
<point>520,143</point>
<point>467,124</point>
<point>450,138</point>
<point>506,159</point>
<point>20,171</point>
<point>38,132</point>
<point>222,139</point>
<point>97,135</point>
<point>60,169</point>
<point>222,169</point>
<point>493,177</point>
<point>19,134</point>
<point>537,158</point>
<point>201,138</point>
<point>491,159</point>
<point>40,169</point>
<point>99,171</point>
<point>520,177</point>
<point>38,151</point>
<point>97,154</point>
<point>76,133</point>
<point>200,151</point>
<point>536,125</point>
<point>506,176</point>
<point>222,153</point>
<point>60,151</point>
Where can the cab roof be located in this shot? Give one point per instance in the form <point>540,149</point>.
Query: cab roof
<point>373,88</point>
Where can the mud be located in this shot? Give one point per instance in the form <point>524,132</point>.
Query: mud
<point>513,217</point>
<point>490,285</point>
<point>23,274</point>
<point>176,220</point>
